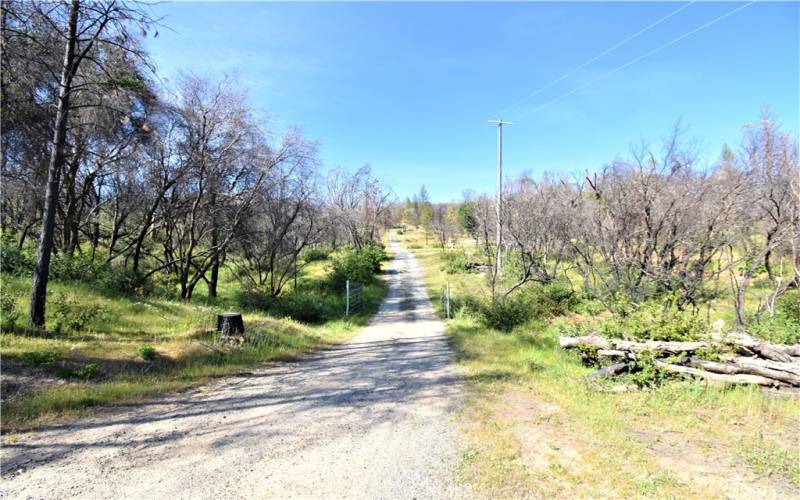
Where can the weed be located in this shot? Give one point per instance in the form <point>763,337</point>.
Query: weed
<point>88,371</point>
<point>146,352</point>
<point>39,359</point>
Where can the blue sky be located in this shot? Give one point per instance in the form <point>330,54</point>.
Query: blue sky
<point>409,87</point>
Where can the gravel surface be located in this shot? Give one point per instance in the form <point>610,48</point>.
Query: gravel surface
<point>368,419</point>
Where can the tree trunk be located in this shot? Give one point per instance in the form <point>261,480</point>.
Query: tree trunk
<point>42,268</point>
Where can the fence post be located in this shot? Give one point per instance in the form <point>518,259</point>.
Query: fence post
<point>347,306</point>
<point>448,300</point>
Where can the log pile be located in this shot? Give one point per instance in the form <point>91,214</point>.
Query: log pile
<point>743,359</point>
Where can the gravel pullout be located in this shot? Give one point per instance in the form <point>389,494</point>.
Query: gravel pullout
<point>367,419</point>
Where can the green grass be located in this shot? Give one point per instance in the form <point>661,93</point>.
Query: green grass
<point>179,332</point>
<point>534,425</point>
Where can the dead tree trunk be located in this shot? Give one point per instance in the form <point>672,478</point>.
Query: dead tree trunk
<point>42,268</point>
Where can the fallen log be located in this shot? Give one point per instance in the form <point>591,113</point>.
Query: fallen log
<point>733,369</point>
<point>723,379</point>
<point>629,345</point>
<point>793,367</point>
<point>615,353</point>
<point>776,352</point>
<point>611,370</point>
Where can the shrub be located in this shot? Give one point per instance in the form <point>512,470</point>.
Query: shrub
<point>779,329</point>
<point>356,264</point>
<point>71,315</point>
<point>788,306</point>
<point>551,300</point>
<point>89,371</point>
<point>253,298</point>
<point>655,321</point>
<point>647,374</point>
<point>12,260</point>
<point>506,313</point>
<point>107,276</point>
<point>9,313</point>
<point>39,359</point>
<point>305,307</point>
<point>123,279</point>
<point>312,254</point>
<point>455,262</point>
<point>146,352</point>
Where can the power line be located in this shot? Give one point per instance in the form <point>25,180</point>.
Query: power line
<point>595,58</point>
<point>637,59</point>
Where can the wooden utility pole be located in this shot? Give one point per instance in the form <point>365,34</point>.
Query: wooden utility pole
<point>499,201</point>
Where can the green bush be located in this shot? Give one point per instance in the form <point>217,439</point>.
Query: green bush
<point>39,359</point>
<point>506,313</point>
<point>551,300</point>
<point>312,254</point>
<point>12,260</point>
<point>787,305</point>
<point>655,320</point>
<point>779,329</point>
<point>356,264</point>
<point>110,277</point>
<point>9,312</point>
<point>88,372</point>
<point>306,307</point>
<point>71,315</point>
<point>647,374</point>
<point>146,352</point>
<point>455,262</point>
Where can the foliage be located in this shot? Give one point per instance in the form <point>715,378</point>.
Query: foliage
<point>467,217</point>
<point>356,264</point>
<point>788,305</point>
<point>654,320</point>
<point>39,359</point>
<point>551,300</point>
<point>313,254</point>
<point>647,374</point>
<point>9,312</point>
<point>779,329</point>
<point>109,277</point>
<point>71,314</point>
<point>455,262</point>
<point>506,313</point>
<point>308,307</point>
<point>146,352</point>
<point>88,371</point>
<point>13,260</point>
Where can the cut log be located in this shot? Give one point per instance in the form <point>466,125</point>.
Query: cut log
<point>587,341</point>
<point>733,369</point>
<point>615,353</point>
<point>793,367</point>
<point>230,324</point>
<point>719,378</point>
<point>628,345</point>
<point>612,370</point>
<point>775,352</point>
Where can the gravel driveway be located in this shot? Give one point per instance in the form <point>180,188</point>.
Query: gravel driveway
<point>368,419</point>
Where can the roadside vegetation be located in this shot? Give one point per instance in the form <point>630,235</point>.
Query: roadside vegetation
<point>534,424</point>
<point>101,347</point>
<point>542,420</point>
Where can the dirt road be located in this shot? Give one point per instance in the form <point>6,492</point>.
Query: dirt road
<point>368,419</point>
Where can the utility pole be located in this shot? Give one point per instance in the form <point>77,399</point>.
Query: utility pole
<point>499,200</point>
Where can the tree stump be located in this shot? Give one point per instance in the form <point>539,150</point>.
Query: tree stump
<point>230,324</point>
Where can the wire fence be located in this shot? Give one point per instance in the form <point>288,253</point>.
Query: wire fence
<point>352,297</point>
